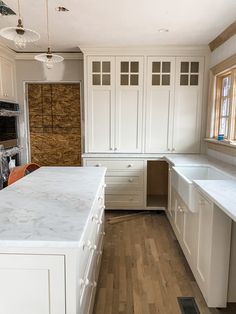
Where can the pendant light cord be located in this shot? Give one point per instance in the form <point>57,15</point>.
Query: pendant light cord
<point>47,23</point>
<point>19,12</point>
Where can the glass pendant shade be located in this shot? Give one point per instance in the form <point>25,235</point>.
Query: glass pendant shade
<point>20,35</point>
<point>49,58</point>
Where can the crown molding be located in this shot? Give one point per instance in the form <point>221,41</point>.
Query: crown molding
<point>65,55</point>
<point>167,50</point>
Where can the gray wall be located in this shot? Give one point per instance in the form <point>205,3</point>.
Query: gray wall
<point>34,71</point>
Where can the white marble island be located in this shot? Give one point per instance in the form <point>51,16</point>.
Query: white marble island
<point>51,236</point>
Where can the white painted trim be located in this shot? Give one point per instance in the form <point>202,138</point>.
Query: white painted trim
<point>31,55</point>
<point>167,50</point>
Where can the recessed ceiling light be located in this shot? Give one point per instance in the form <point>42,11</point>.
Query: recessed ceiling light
<point>61,9</point>
<point>163,30</point>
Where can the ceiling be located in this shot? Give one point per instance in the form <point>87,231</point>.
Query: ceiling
<point>112,23</point>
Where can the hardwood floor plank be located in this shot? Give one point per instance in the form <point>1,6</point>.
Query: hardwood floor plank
<point>143,270</point>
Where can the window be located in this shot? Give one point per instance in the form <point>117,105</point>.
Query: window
<point>129,73</point>
<point>225,103</point>
<point>221,122</point>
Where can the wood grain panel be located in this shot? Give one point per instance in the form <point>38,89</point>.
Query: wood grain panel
<point>223,37</point>
<point>54,122</point>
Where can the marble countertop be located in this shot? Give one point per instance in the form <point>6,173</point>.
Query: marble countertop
<point>49,207</point>
<point>220,192</point>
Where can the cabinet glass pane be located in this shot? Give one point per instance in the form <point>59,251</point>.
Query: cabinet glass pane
<point>106,66</point>
<point>124,79</point>
<point>96,79</point>
<point>165,79</point>
<point>184,67</point>
<point>183,79</point>
<point>96,66</point>
<point>133,79</point>
<point>156,67</point>
<point>106,79</point>
<point>155,79</point>
<point>124,67</point>
<point>166,67</point>
<point>134,67</point>
<point>194,67</point>
<point>193,79</point>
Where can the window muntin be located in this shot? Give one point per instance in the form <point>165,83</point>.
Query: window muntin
<point>225,106</point>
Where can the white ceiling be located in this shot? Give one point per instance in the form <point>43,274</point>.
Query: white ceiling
<point>110,23</point>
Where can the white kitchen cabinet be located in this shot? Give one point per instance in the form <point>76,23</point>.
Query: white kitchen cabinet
<point>213,252</point>
<point>173,104</point>
<point>114,104</point>
<point>159,104</point>
<point>129,104</point>
<point>187,105</point>
<point>124,182</point>
<point>101,104</point>
<point>204,236</point>
<point>32,284</point>
<point>8,88</point>
<point>180,209</point>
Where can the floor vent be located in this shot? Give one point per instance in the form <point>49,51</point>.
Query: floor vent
<point>188,305</point>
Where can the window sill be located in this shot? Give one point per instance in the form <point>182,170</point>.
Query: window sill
<point>221,143</point>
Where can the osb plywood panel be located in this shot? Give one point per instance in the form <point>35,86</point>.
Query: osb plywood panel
<point>54,123</point>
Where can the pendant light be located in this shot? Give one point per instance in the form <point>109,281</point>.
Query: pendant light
<point>48,57</point>
<point>20,35</point>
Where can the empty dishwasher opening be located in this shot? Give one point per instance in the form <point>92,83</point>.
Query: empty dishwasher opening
<point>157,184</point>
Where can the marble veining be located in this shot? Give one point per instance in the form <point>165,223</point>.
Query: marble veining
<point>49,207</point>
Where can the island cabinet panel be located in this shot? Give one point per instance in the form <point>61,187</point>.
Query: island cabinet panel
<point>32,284</point>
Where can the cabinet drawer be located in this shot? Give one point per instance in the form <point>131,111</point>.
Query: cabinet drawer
<point>121,181</point>
<point>117,164</point>
<point>121,200</point>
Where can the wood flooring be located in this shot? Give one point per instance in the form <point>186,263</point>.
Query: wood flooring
<point>143,269</point>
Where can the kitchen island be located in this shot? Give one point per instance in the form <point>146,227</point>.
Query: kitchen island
<point>51,239</point>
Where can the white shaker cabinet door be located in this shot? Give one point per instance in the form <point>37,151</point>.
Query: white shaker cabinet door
<point>32,284</point>
<point>129,104</point>
<point>7,79</point>
<point>188,105</point>
<point>159,104</point>
<point>100,108</point>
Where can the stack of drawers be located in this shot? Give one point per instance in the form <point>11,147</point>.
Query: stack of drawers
<point>124,182</point>
<point>89,256</point>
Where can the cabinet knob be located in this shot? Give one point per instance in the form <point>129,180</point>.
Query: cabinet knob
<point>103,233</point>
<point>131,180</point>
<point>173,149</point>
<point>94,284</point>
<point>98,165</point>
<point>95,217</point>
<point>93,247</point>
<point>130,166</point>
<point>115,148</point>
